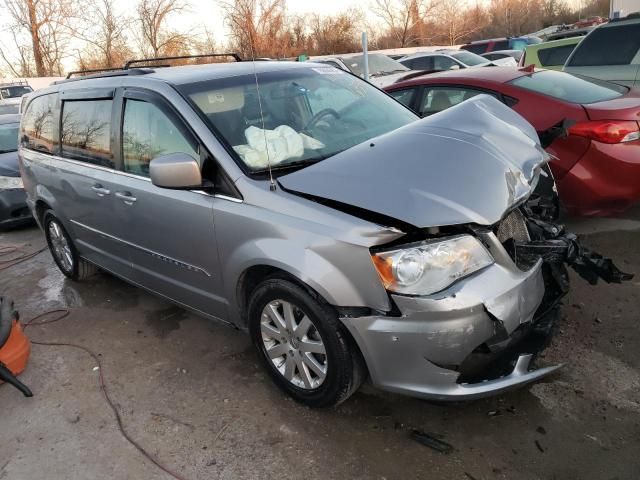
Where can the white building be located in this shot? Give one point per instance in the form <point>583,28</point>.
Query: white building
<point>622,8</point>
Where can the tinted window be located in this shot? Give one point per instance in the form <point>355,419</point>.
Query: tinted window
<point>469,58</point>
<point>555,56</point>
<point>9,109</point>
<point>405,96</point>
<point>9,137</point>
<point>86,131</point>
<point>420,63</point>
<point>502,45</point>
<point>148,132</point>
<point>570,88</point>
<point>478,48</point>
<point>437,99</point>
<point>608,46</point>
<point>378,64</point>
<point>38,125</point>
<point>14,92</point>
<point>443,63</point>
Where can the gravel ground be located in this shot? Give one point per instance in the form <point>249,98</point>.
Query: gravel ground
<point>192,393</point>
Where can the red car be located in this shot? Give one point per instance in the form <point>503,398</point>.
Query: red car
<point>591,126</point>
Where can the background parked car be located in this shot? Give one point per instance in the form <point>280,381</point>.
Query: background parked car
<point>513,43</point>
<point>598,162</point>
<point>551,55</point>
<point>12,92</point>
<point>13,200</point>
<point>501,54</point>
<point>446,60</point>
<point>569,33</point>
<point>443,60</point>
<point>383,70</point>
<point>610,52</point>
<point>589,22</point>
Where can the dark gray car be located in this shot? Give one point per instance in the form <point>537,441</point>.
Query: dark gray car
<point>301,203</point>
<point>13,199</point>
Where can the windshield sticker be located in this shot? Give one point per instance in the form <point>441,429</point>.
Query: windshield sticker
<point>328,70</point>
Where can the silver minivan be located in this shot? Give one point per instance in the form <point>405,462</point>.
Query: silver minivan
<point>302,204</point>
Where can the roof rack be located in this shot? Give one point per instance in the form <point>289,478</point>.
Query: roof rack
<point>140,70</point>
<point>14,83</point>
<point>127,65</point>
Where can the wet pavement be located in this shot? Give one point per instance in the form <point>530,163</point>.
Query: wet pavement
<point>192,393</point>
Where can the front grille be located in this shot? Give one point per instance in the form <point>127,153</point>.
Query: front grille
<point>513,227</point>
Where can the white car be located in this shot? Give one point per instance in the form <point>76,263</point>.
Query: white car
<point>450,59</point>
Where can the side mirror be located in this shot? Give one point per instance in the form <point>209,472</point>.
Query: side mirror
<point>176,170</point>
<point>454,67</point>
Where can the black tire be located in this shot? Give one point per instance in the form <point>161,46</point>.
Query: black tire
<point>80,269</point>
<point>345,366</point>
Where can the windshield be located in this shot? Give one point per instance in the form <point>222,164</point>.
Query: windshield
<point>15,91</point>
<point>378,65</point>
<point>570,88</point>
<point>9,137</point>
<point>9,109</point>
<point>309,114</point>
<point>469,59</point>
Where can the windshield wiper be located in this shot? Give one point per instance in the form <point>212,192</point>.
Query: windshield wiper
<point>7,151</point>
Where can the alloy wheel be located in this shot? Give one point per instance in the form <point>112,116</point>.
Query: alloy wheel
<point>60,246</point>
<point>293,344</point>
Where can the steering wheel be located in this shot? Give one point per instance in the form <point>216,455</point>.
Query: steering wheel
<point>319,116</point>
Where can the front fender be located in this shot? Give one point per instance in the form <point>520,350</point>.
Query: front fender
<point>342,274</point>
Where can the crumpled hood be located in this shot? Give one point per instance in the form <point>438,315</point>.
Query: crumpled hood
<point>467,164</point>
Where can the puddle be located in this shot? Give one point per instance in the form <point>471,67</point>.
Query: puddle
<point>165,321</point>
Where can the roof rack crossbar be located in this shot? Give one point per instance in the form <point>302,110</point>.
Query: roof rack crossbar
<point>91,70</point>
<point>127,65</point>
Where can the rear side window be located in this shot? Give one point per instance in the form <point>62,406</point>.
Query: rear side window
<point>405,96</point>
<point>147,132</point>
<point>570,88</point>
<point>38,125</point>
<point>420,63</point>
<point>86,131</point>
<point>501,45</point>
<point>443,63</point>
<point>555,56</point>
<point>437,99</point>
<point>608,46</point>
<point>478,48</point>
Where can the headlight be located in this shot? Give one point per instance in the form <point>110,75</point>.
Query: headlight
<point>429,267</point>
<point>9,183</point>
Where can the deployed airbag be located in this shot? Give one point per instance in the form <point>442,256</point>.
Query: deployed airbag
<point>274,146</point>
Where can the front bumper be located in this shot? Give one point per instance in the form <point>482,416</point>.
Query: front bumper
<point>14,211</point>
<point>425,351</point>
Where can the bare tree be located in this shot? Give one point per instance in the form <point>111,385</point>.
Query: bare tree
<point>157,37</point>
<point>257,27</point>
<point>103,29</point>
<point>456,21</point>
<point>46,23</point>
<point>404,19</point>
<point>336,33</point>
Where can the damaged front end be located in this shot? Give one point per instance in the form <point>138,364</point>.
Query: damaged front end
<point>483,186</point>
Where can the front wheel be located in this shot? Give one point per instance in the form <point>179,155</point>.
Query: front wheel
<point>303,345</point>
<point>63,251</point>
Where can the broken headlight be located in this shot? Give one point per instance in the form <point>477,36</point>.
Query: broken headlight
<point>428,267</point>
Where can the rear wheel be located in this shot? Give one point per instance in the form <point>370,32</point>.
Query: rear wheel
<point>303,345</point>
<point>63,251</point>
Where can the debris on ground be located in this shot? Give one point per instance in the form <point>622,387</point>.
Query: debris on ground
<point>429,440</point>
<point>540,447</point>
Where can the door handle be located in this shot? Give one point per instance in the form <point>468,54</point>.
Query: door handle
<point>100,190</point>
<point>126,197</point>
